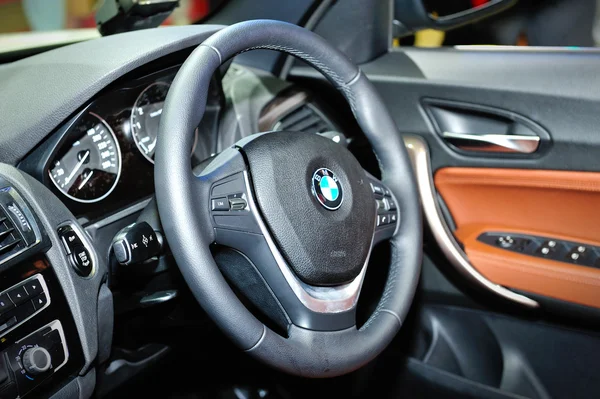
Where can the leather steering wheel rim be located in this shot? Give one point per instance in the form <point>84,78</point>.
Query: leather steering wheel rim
<point>189,231</point>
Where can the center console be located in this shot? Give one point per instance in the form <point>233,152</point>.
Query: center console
<point>51,286</point>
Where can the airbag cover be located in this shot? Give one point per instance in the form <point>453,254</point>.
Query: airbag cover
<point>323,247</point>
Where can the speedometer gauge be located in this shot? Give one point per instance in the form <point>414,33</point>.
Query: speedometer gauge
<point>88,170</point>
<point>145,118</point>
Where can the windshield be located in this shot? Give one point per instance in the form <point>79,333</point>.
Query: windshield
<point>18,16</point>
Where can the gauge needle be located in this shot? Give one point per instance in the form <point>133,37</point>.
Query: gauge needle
<point>85,180</point>
<point>68,179</point>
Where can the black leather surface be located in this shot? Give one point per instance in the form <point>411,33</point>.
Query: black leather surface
<point>243,274</point>
<point>183,204</point>
<point>323,247</point>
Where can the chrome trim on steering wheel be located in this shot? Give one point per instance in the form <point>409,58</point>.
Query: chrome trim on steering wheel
<point>335,299</point>
<point>419,155</point>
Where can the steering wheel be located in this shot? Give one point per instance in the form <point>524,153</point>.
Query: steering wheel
<point>298,208</point>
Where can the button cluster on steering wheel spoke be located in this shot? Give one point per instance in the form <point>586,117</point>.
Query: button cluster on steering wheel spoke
<point>387,210</point>
<point>229,205</point>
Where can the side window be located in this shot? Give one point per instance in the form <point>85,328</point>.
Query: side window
<point>555,23</point>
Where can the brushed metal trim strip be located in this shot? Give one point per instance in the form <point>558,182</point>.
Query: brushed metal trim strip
<point>334,299</point>
<point>419,155</point>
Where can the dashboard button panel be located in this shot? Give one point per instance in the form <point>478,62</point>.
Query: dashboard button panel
<point>21,302</point>
<point>229,205</point>
<point>36,357</point>
<point>79,255</point>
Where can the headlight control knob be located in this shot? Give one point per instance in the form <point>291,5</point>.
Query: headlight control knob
<point>37,360</point>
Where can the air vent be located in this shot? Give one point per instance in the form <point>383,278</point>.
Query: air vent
<point>10,239</point>
<point>307,119</point>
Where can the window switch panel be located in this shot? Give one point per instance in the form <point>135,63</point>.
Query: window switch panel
<point>545,247</point>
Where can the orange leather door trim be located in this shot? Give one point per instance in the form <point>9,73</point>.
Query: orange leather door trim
<point>558,204</point>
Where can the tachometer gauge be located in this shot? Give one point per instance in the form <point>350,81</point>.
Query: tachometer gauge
<point>145,118</point>
<point>89,169</point>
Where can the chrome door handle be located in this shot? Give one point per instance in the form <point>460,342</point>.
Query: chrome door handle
<point>505,143</point>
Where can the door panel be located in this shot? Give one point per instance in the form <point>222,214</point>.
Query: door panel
<point>551,193</point>
<point>545,193</point>
<point>559,205</point>
<point>558,90</point>
<point>551,203</point>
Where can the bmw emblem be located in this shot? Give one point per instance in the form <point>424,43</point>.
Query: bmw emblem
<point>327,189</point>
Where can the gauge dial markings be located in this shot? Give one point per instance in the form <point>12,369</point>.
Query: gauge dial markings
<point>92,164</point>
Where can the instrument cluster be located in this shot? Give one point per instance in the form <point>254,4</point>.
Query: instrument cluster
<point>103,158</point>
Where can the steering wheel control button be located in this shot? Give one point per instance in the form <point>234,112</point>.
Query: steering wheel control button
<point>237,204</point>
<point>327,189</point>
<point>382,220</point>
<point>81,261</point>
<point>380,205</point>
<point>220,204</point>
<point>393,217</point>
<point>390,204</point>
<point>377,190</point>
<point>36,360</point>
<point>236,214</point>
<point>136,243</point>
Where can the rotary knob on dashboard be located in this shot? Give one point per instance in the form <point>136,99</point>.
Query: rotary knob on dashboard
<point>37,360</point>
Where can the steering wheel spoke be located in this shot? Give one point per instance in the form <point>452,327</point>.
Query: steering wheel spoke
<point>238,224</point>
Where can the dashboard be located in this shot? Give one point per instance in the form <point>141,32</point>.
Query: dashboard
<point>79,164</point>
<point>103,158</point>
